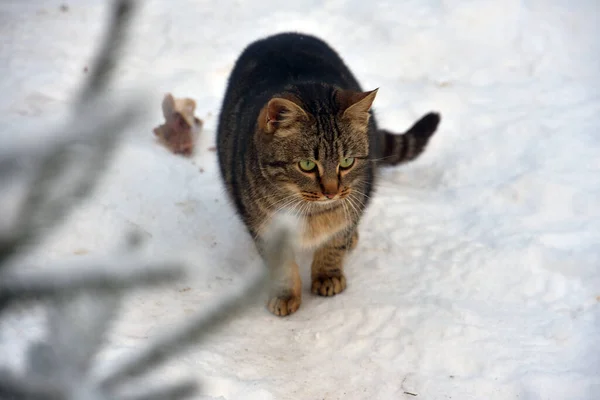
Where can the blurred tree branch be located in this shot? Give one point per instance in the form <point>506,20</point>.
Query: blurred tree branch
<point>82,299</point>
<point>45,203</point>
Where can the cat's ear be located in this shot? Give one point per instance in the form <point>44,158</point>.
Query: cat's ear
<point>356,106</point>
<point>280,113</point>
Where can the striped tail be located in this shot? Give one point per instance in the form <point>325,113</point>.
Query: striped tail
<point>406,147</point>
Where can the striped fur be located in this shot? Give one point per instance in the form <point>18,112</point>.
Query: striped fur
<point>406,147</point>
<point>290,98</point>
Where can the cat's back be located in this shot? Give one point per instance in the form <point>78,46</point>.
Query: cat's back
<point>288,58</point>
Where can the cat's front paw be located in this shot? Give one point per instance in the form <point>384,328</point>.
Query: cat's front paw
<point>284,305</point>
<point>329,286</point>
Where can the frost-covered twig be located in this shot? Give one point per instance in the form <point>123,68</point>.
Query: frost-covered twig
<point>82,300</point>
<point>40,210</point>
<point>56,186</point>
<point>278,244</point>
<point>108,55</point>
<point>170,391</point>
<point>18,387</point>
<point>181,337</point>
<point>24,284</point>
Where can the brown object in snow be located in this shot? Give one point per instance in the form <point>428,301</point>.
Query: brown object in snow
<point>181,127</point>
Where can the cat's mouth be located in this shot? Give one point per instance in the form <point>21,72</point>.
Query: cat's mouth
<point>323,200</point>
<point>322,205</point>
<point>327,201</point>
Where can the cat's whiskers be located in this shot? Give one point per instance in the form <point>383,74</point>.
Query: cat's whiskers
<point>349,217</point>
<point>291,201</point>
<point>381,158</point>
<point>297,209</point>
<point>356,191</point>
<point>309,196</point>
<point>269,196</point>
<point>359,204</point>
<point>301,209</point>
<point>346,212</point>
<point>305,210</point>
<point>353,205</point>
<point>292,207</point>
<point>360,181</point>
<point>289,196</point>
<point>287,201</point>
<point>356,198</point>
<point>378,184</point>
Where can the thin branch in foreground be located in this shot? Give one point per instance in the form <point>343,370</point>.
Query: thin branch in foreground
<point>182,336</point>
<point>174,391</point>
<point>103,66</point>
<point>46,203</point>
<point>58,367</point>
<point>279,243</point>
<point>23,284</point>
<point>14,387</point>
<point>55,163</point>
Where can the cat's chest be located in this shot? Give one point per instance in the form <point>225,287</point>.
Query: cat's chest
<point>319,228</point>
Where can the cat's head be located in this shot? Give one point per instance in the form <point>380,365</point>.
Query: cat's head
<point>316,149</point>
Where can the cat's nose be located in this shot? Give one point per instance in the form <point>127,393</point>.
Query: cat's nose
<point>329,188</point>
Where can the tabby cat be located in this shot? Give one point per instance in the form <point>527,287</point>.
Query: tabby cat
<point>296,135</point>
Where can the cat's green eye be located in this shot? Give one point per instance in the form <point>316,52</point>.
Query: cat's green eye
<point>307,165</point>
<point>347,162</point>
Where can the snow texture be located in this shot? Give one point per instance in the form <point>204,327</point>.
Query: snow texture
<point>477,274</point>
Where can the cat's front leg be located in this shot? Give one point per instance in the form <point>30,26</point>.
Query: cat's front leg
<point>327,271</point>
<point>285,294</point>
<point>285,285</point>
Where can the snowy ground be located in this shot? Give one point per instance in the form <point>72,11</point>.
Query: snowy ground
<point>478,271</point>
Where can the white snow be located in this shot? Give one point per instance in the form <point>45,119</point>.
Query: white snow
<point>477,275</point>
